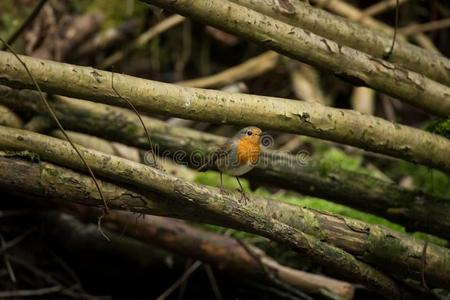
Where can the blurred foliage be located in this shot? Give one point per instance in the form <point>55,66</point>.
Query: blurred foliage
<point>115,11</point>
<point>441,127</point>
<point>424,178</point>
<point>11,17</point>
<point>334,159</point>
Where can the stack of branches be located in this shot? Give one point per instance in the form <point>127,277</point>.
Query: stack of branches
<point>108,134</point>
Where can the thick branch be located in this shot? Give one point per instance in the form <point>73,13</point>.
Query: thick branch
<point>346,62</point>
<point>9,118</point>
<point>356,36</point>
<point>223,252</point>
<point>344,126</point>
<point>415,209</point>
<point>88,250</point>
<point>225,209</point>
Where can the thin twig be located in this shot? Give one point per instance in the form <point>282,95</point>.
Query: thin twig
<point>270,275</point>
<point>24,25</point>
<point>251,68</point>
<point>29,293</point>
<point>9,268</point>
<point>155,164</point>
<point>14,242</point>
<point>180,280</point>
<point>143,39</point>
<point>377,9</point>
<point>99,228</point>
<point>67,269</point>
<point>424,264</point>
<point>55,118</point>
<point>18,260</point>
<point>184,284</point>
<point>212,279</point>
<point>391,49</point>
<point>420,28</point>
<point>72,291</point>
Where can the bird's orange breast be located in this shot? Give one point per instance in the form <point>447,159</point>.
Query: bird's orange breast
<point>248,151</point>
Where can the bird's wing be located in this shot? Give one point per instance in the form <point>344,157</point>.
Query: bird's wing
<point>223,151</point>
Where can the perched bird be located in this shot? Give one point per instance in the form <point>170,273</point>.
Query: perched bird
<point>238,155</point>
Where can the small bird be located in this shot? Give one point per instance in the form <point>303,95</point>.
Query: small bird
<point>238,155</point>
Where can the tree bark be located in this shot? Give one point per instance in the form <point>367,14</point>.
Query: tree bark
<point>416,210</point>
<point>223,252</point>
<point>356,67</point>
<point>344,126</point>
<point>258,216</point>
<point>237,216</point>
<point>354,35</point>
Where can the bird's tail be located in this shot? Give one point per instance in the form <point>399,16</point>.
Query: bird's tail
<point>211,160</point>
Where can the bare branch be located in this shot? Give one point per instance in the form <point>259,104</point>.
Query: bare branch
<point>255,216</point>
<point>344,126</point>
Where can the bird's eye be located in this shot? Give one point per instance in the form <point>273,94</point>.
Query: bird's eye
<point>249,132</point>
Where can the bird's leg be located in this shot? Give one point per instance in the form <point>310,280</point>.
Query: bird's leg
<point>221,184</point>
<point>244,196</point>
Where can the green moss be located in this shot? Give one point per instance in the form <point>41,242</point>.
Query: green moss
<point>212,178</point>
<point>25,154</point>
<point>50,172</point>
<point>428,180</point>
<point>336,159</point>
<point>11,17</point>
<point>131,128</point>
<point>441,127</point>
<point>114,11</point>
<point>382,246</point>
<point>339,209</point>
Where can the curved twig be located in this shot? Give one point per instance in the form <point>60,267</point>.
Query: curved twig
<point>155,164</point>
<point>55,118</point>
<point>391,49</point>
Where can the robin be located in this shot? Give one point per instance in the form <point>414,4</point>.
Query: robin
<point>238,155</point>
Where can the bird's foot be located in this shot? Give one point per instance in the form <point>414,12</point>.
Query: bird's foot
<point>223,191</point>
<point>244,198</point>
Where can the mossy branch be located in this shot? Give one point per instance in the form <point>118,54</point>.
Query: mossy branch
<point>53,116</point>
<point>208,205</point>
<point>416,210</point>
<point>340,125</point>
